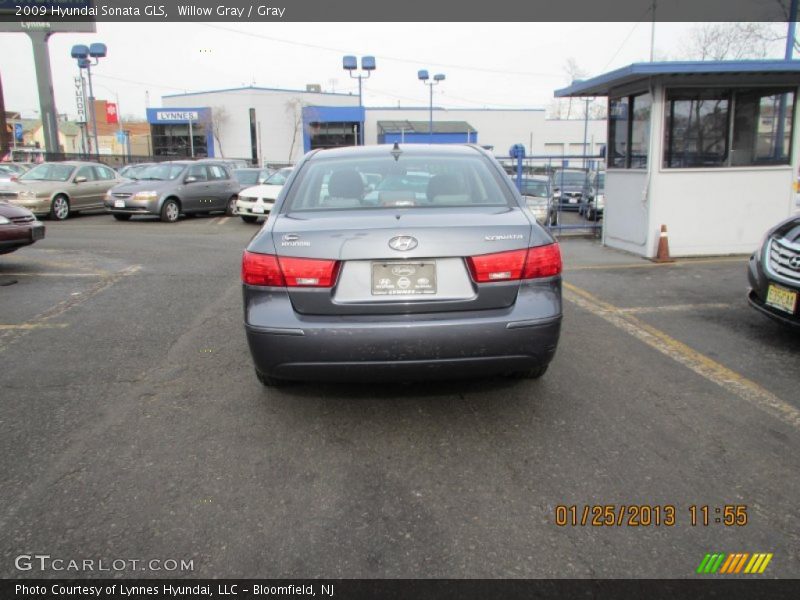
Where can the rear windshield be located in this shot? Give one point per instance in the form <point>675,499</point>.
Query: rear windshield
<point>534,188</point>
<point>567,178</point>
<point>383,182</point>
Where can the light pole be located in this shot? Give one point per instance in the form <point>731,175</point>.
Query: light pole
<point>84,55</point>
<point>350,64</point>
<point>423,77</point>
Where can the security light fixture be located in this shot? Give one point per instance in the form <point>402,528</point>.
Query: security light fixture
<point>423,76</point>
<point>80,51</point>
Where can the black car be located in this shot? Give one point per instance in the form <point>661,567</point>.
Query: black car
<point>774,274</point>
<point>568,187</point>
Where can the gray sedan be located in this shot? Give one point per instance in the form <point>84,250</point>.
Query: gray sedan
<point>170,188</point>
<point>343,284</point>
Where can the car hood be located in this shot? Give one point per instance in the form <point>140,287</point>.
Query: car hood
<point>262,191</point>
<point>141,185</point>
<point>788,229</point>
<point>10,211</point>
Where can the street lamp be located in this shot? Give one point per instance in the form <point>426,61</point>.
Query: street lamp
<point>84,55</point>
<point>423,77</point>
<point>350,64</point>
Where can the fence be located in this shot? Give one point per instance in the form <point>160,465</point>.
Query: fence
<point>575,184</point>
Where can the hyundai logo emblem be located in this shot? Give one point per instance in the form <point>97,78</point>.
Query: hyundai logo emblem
<point>795,263</point>
<point>403,243</point>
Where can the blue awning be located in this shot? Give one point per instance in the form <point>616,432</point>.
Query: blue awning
<point>743,70</point>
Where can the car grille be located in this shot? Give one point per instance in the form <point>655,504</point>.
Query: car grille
<point>8,195</point>
<point>572,194</point>
<point>23,219</point>
<point>781,254</point>
<point>121,195</point>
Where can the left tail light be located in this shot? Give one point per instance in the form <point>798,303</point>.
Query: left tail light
<point>288,271</point>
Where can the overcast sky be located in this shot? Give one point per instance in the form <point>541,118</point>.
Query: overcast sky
<point>511,65</point>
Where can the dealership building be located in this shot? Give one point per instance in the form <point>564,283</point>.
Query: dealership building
<point>269,125</point>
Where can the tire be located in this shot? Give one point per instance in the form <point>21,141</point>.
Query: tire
<point>534,373</point>
<point>170,211</point>
<point>59,208</point>
<point>248,219</point>
<point>230,209</point>
<point>268,381</point>
<point>122,217</point>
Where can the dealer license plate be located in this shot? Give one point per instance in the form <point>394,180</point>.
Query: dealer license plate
<point>782,299</point>
<point>119,203</point>
<point>403,278</point>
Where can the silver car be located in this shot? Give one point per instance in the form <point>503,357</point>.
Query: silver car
<point>170,189</point>
<point>344,284</point>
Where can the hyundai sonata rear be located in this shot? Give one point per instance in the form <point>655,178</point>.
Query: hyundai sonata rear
<point>343,283</point>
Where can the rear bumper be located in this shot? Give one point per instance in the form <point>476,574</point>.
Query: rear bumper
<point>401,347</point>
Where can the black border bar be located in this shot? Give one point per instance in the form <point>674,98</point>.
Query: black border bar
<point>405,11</point>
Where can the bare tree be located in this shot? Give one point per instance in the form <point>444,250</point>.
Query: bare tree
<point>731,41</point>
<point>574,72</point>
<point>294,112</point>
<point>219,117</point>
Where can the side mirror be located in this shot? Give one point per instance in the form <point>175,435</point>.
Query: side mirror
<point>190,179</point>
<point>80,179</point>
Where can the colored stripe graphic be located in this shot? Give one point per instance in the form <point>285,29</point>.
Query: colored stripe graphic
<point>730,564</point>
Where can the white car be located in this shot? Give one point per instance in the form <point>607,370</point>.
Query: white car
<point>257,201</point>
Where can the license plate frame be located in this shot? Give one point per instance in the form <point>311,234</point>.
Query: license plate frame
<point>118,203</point>
<point>781,298</point>
<point>403,278</point>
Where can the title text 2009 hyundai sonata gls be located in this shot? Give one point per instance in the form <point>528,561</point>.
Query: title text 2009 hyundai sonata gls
<point>345,284</point>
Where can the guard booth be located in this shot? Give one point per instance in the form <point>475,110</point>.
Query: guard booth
<point>708,149</point>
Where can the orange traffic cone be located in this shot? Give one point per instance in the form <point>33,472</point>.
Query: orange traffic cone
<point>662,256</point>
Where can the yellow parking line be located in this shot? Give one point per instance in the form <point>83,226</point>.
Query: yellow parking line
<point>732,381</point>
<point>674,308</point>
<point>222,220</point>
<point>48,274</point>
<point>28,326</point>
<point>651,265</point>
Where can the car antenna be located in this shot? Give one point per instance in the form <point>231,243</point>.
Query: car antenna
<point>396,152</point>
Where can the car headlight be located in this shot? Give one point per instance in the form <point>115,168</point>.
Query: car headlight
<point>4,221</point>
<point>149,195</point>
<point>247,199</point>
<point>27,194</point>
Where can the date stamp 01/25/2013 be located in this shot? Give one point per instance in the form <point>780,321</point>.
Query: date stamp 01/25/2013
<point>649,515</point>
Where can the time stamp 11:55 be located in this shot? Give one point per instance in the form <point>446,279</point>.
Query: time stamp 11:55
<point>649,515</point>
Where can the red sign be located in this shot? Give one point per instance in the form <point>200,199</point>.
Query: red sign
<point>111,112</point>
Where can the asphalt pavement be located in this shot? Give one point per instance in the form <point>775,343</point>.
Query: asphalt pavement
<point>133,428</point>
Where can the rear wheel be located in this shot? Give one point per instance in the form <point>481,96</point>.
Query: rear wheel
<point>122,217</point>
<point>231,208</point>
<point>268,381</point>
<point>533,373</point>
<point>248,219</point>
<point>59,208</point>
<point>170,211</point>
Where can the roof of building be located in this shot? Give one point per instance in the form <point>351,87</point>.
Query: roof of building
<point>640,72</point>
<point>423,127</point>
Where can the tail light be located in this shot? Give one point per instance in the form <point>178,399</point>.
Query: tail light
<point>526,263</point>
<point>270,270</point>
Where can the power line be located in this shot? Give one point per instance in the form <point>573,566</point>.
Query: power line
<point>382,57</point>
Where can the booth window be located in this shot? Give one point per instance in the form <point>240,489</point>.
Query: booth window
<point>629,131</point>
<point>723,128</point>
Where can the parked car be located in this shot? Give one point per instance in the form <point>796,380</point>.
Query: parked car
<point>538,196</point>
<point>774,274</point>
<point>463,283</point>
<point>59,189</point>
<point>18,228</point>
<point>169,189</point>
<point>568,187</point>
<point>257,201</point>
<point>8,173</point>
<point>133,171</point>
<point>594,197</point>
<point>251,176</point>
